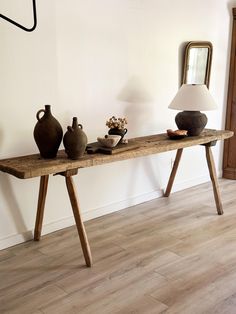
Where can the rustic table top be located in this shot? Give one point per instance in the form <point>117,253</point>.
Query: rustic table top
<point>30,166</point>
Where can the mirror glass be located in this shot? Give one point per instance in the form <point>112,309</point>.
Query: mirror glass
<point>197,63</point>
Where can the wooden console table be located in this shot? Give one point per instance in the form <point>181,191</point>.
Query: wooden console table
<point>25,167</point>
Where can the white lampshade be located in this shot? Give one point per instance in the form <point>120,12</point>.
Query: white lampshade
<point>193,98</point>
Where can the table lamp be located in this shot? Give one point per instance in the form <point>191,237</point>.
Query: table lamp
<point>191,99</point>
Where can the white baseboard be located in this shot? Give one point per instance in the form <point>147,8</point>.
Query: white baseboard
<point>114,207</point>
<point>190,183</point>
<point>18,238</point>
<point>15,239</point>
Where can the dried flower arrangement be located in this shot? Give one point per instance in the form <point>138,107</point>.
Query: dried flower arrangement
<point>116,123</point>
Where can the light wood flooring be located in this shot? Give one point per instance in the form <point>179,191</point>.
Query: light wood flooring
<point>170,255</point>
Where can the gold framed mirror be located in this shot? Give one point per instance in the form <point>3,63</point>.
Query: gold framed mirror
<point>197,63</point>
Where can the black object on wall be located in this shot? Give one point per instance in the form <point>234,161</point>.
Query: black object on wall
<point>21,26</point>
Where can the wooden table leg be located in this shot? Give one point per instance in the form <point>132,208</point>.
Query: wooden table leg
<point>78,220</point>
<point>212,171</point>
<point>41,204</point>
<point>173,172</point>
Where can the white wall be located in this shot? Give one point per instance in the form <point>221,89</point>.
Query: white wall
<point>94,59</point>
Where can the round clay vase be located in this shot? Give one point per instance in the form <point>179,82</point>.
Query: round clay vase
<point>75,140</point>
<point>116,131</point>
<point>47,133</point>
<point>192,121</point>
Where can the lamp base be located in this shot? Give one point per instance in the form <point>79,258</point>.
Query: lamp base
<point>192,121</point>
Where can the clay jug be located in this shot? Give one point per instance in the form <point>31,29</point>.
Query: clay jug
<point>47,133</point>
<point>75,140</point>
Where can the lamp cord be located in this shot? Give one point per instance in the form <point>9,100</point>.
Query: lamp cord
<point>21,26</point>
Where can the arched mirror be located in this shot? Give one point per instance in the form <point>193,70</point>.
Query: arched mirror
<point>197,63</point>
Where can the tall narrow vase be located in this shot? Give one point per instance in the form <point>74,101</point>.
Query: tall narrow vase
<point>47,133</point>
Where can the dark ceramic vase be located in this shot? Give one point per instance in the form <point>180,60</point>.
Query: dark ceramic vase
<point>47,133</point>
<point>75,140</point>
<point>116,131</point>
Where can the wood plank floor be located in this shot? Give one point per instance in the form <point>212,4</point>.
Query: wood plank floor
<point>170,255</point>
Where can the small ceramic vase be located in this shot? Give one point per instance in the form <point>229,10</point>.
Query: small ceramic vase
<point>75,140</point>
<point>47,133</point>
<point>116,131</point>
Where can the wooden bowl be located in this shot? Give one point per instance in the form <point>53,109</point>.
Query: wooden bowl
<point>177,134</point>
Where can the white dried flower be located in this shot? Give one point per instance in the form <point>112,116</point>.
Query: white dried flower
<point>118,123</point>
